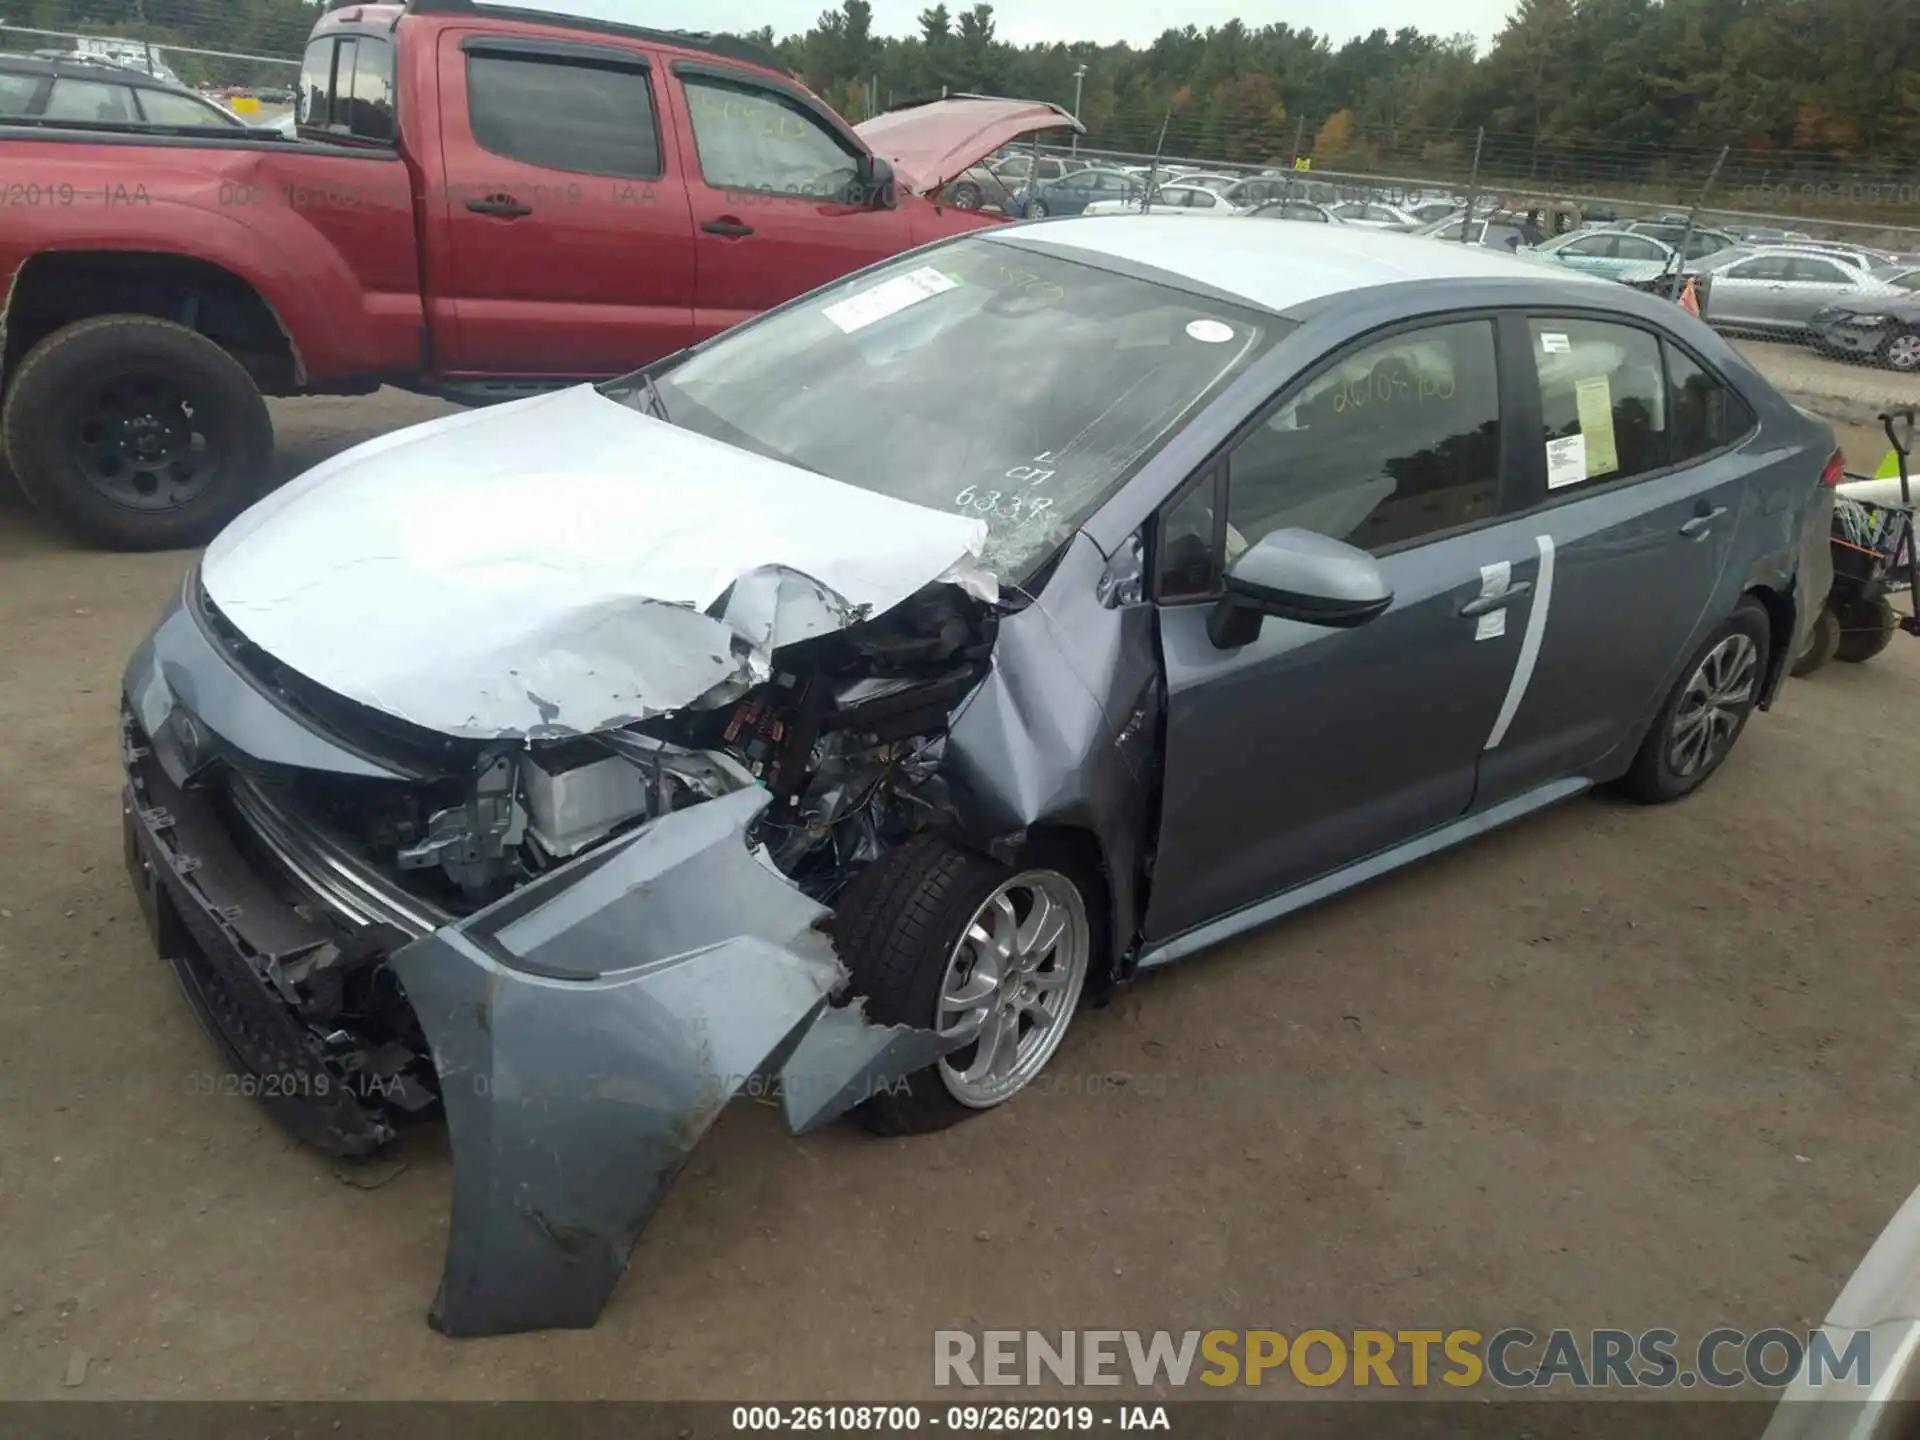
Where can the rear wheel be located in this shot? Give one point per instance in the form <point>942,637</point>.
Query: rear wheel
<point>1703,717</point>
<point>937,937</point>
<point>1866,628</point>
<point>136,433</point>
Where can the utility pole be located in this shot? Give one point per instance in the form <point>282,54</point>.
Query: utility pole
<point>1693,219</point>
<point>1153,174</point>
<point>1473,188</point>
<point>1079,79</point>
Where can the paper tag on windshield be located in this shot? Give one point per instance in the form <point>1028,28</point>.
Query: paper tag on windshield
<point>889,297</point>
<point>1554,344</point>
<point>1566,462</point>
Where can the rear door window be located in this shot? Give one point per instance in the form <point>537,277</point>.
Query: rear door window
<point>17,93</point>
<point>1707,416</point>
<point>589,118</point>
<point>1603,397</point>
<point>163,107</point>
<point>91,100</point>
<point>1809,270</point>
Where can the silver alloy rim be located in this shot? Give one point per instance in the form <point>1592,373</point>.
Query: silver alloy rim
<point>1713,706</point>
<point>1903,352</point>
<point>1013,979</point>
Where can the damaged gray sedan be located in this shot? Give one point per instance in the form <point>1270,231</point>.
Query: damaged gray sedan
<point>763,719</point>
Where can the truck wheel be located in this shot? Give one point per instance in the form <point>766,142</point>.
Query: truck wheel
<point>1866,628</point>
<point>1821,644</point>
<point>940,938</point>
<point>136,433</point>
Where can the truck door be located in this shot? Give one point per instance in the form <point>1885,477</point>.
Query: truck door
<point>565,242</point>
<point>775,188</point>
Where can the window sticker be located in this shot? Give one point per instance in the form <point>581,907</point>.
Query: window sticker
<point>1554,344</point>
<point>1210,332</point>
<point>889,297</point>
<point>1566,462</point>
<point>1594,398</point>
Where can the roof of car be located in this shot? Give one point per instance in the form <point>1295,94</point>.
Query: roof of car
<point>84,67</point>
<point>1226,254</point>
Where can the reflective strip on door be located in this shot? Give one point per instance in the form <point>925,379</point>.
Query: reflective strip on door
<point>1529,644</point>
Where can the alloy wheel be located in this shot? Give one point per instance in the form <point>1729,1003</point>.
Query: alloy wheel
<point>1903,351</point>
<point>1012,982</point>
<point>1713,706</point>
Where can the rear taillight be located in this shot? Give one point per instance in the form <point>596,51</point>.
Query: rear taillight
<point>1836,471</point>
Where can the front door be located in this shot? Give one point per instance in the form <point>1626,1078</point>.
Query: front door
<point>1310,749</point>
<point>778,204</point>
<point>560,243</point>
<point>1752,292</point>
<point>1641,490</point>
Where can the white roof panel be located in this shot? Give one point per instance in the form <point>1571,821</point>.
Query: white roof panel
<point>1279,264</point>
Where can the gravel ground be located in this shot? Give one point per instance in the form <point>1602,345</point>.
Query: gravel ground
<point>1610,1067</point>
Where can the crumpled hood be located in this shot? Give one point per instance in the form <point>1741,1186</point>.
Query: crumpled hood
<point>564,564</point>
<point>929,144</point>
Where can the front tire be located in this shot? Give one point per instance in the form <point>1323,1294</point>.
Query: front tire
<point>1702,720</point>
<point>966,196</point>
<point>1037,209</point>
<point>1902,352</point>
<point>938,937</point>
<point>136,434</point>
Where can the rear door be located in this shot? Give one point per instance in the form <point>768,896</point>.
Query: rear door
<point>777,201</point>
<point>1639,487</point>
<point>563,246</point>
<point>1750,293</point>
<point>1310,749</point>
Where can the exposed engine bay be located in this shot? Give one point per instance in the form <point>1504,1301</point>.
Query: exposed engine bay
<point>846,738</point>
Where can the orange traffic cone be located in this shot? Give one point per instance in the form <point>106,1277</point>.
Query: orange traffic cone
<point>1689,301</point>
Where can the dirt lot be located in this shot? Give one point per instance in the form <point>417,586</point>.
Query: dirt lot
<point>1612,1067</point>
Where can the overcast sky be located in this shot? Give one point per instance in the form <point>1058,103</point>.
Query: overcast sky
<point>1025,22</point>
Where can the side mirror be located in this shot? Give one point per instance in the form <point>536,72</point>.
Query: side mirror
<point>876,183</point>
<point>1301,576</point>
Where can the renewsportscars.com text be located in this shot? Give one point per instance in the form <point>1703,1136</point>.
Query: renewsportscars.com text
<point>1510,1359</point>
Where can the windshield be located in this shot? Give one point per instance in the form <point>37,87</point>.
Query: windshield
<point>979,378</point>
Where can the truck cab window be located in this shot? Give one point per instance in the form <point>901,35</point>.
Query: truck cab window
<point>570,115</point>
<point>751,139</point>
<point>346,88</point>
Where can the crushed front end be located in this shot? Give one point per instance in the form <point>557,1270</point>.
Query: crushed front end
<point>577,948</point>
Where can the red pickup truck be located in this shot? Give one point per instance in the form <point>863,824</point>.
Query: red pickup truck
<point>480,201</point>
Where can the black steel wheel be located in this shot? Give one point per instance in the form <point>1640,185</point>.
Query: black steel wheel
<point>136,433</point>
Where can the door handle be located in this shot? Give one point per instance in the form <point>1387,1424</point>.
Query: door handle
<point>727,225</point>
<point>1701,524</point>
<point>1487,604</point>
<point>503,205</point>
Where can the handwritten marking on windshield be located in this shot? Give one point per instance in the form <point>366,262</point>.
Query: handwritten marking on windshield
<point>991,503</point>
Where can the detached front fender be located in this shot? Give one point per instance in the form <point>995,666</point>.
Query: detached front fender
<point>589,1029</point>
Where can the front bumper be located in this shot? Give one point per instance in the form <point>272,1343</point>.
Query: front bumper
<point>1842,338</point>
<point>583,1033</point>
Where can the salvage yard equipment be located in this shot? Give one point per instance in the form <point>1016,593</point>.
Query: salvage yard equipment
<point>1872,559</point>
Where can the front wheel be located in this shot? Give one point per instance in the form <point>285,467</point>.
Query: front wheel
<point>136,433</point>
<point>1703,717</point>
<point>937,937</point>
<point>1902,352</point>
<point>1037,209</point>
<point>966,196</point>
